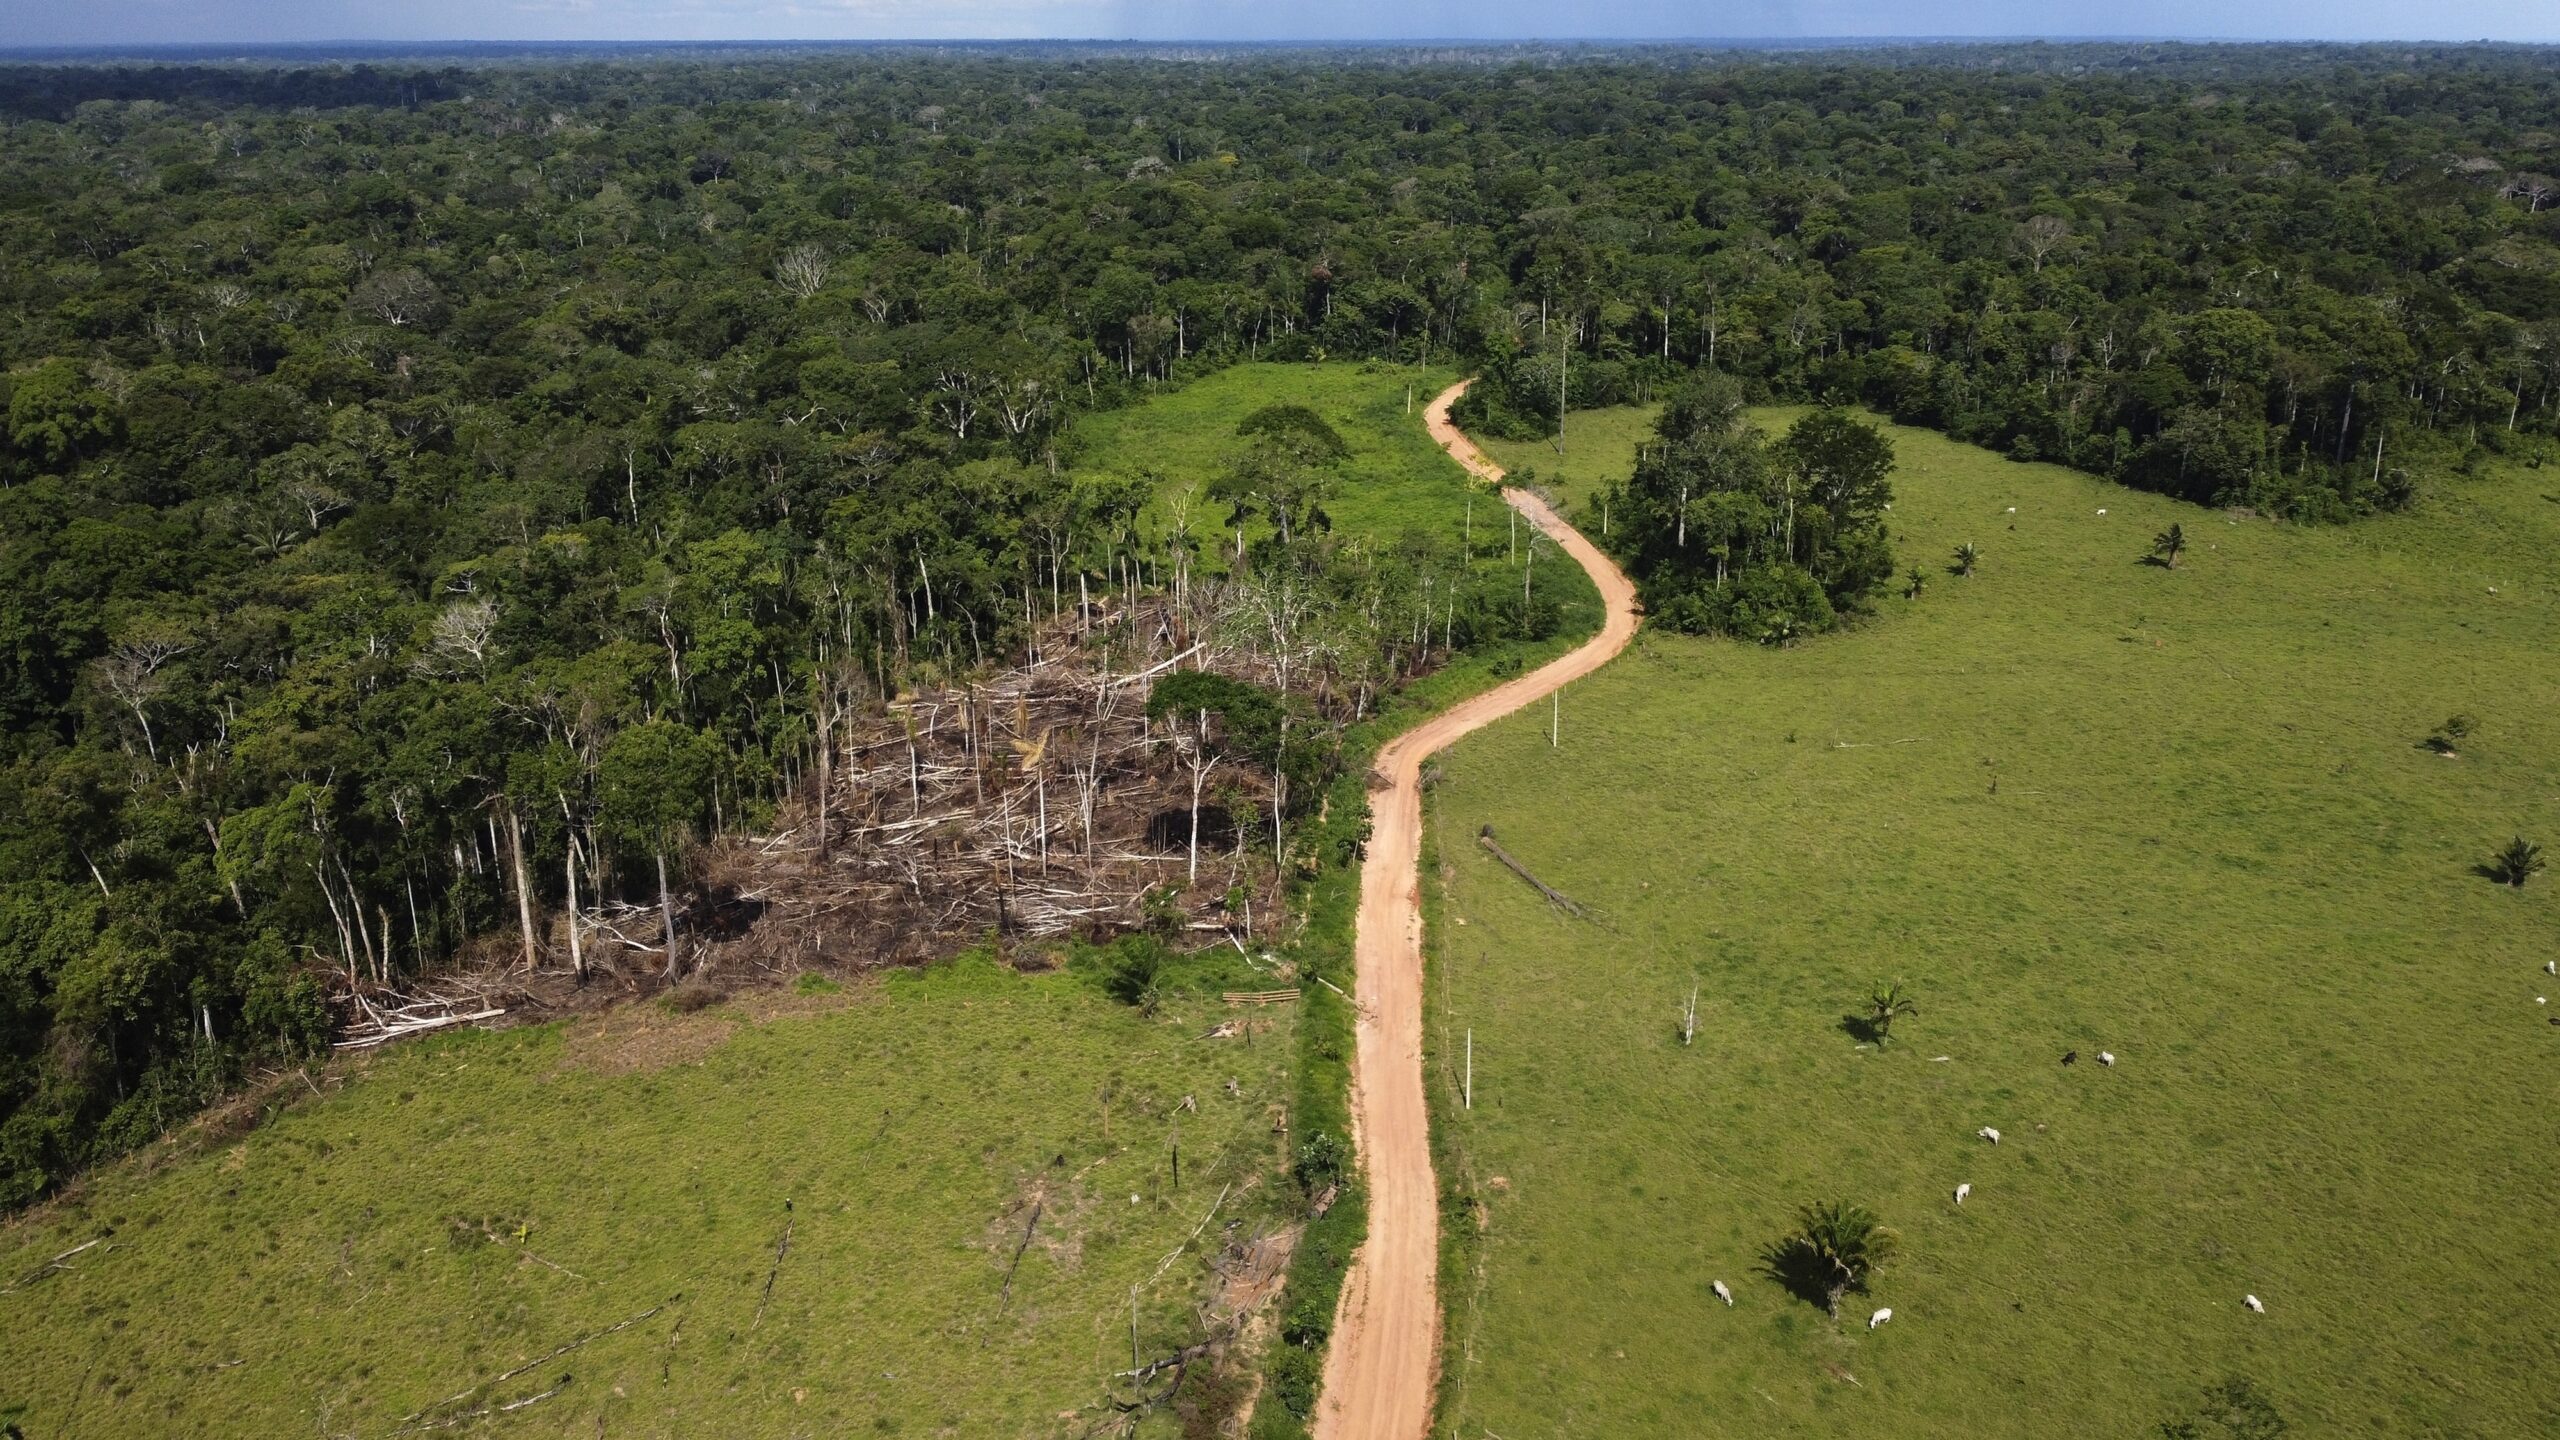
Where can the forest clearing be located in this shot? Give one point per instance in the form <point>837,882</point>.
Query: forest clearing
<point>2073,803</point>
<point>915,1121</point>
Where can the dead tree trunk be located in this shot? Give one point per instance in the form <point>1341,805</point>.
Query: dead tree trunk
<point>569,871</point>
<point>667,915</point>
<point>524,887</point>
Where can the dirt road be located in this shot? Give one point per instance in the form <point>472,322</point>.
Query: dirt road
<point>1381,1370</point>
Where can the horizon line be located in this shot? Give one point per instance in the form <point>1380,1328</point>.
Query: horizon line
<point>1306,42</point>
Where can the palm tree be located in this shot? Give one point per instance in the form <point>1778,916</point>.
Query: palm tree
<point>1967,557</point>
<point>1885,1006</point>
<point>1833,1249</point>
<point>2168,543</point>
<point>2516,862</point>
<point>1918,580</point>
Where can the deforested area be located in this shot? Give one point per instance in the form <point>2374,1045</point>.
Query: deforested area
<point>689,734</point>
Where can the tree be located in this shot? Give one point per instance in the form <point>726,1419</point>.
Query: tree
<point>1249,724</point>
<point>398,297</point>
<point>134,671</point>
<point>802,271</point>
<point>1284,473</point>
<point>1967,556</point>
<point>1841,464</point>
<point>2168,544</point>
<point>656,784</point>
<point>1834,1249</point>
<point>1884,1006</point>
<point>56,415</point>
<point>2516,862</point>
<point>2039,236</point>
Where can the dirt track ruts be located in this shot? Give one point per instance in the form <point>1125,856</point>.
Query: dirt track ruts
<point>1381,1371</point>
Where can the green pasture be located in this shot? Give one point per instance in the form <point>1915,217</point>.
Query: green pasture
<point>1396,481</point>
<point>1599,447</point>
<point>2074,802</point>
<point>470,1203</point>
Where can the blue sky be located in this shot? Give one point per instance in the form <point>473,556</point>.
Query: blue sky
<point>145,22</point>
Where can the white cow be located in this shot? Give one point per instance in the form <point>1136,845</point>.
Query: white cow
<point>1879,1317</point>
<point>2106,1057</point>
<point>1987,1133</point>
<point>2252,1302</point>
<point>1722,1293</point>
<point>1962,1191</point>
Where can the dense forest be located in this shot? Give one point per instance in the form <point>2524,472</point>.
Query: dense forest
<point>419,478</point>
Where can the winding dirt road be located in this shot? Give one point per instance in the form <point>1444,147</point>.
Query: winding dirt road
<point>1381,1370</point>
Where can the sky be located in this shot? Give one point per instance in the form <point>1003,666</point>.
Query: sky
<point>165,22</point>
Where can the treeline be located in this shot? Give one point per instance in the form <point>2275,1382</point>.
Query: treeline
<point>418,478</point>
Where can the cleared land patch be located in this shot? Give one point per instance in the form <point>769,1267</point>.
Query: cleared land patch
<point>2073,802</point>
<point>480,1199</point>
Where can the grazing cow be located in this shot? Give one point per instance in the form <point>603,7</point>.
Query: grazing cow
<point>1962,1191</point>
<point>2251,1301</point>
<point>2106,1057</point>
<point>1987,1133</point>
<point>2551,967</point>
<point>2070,1057</point>
<point>1723,1294</point>
<point>1879,1317</point>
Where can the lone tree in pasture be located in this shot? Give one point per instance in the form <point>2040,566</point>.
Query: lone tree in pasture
<point>1915,582</point>
<point>1833,1250</point>
<point>1885,1006</point>
<point>2448,737</point>
<point>1968,555</point>
<point>2169,544</point>
<point>2516,862</point>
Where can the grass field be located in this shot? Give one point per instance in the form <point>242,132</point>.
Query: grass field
<point>2216,848</point>
<point>1395,481</point>
<point>1599,447</point>
<point>372,1253</point>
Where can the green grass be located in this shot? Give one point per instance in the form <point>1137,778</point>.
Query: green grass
<point>1396,480</point>
<point>330,1270</point>
<point>1599,447</point>
<point>2216,849</point>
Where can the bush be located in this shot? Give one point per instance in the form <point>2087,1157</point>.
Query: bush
<point>1320,1162</point>
<point>1134,972</point>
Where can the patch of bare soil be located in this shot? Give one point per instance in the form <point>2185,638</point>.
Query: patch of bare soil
<point>637,1039</point>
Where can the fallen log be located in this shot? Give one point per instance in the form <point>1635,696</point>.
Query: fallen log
<point>393,1030</point>
<point>49,1267</point>
<point>1554,896</point>
<point>417,1419</point>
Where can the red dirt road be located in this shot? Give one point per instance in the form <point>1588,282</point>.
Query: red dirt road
<point>1382,1368</point>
